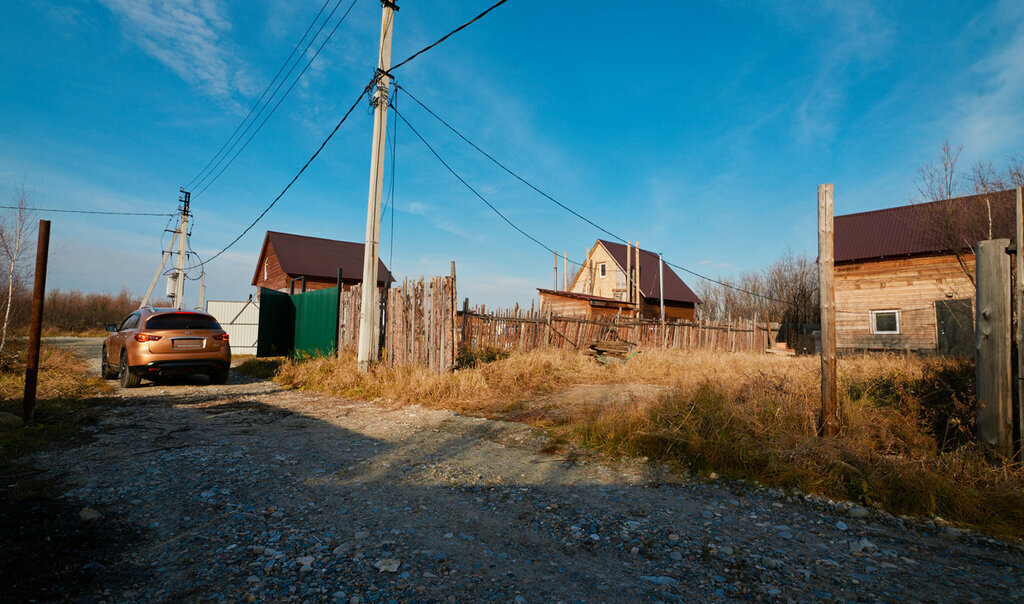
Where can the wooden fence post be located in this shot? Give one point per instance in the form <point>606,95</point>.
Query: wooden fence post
<point>992,346</point>
<point>1018,295</point>
<point>828,421</point>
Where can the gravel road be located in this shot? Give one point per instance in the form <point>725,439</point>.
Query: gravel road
<point>245,492</point>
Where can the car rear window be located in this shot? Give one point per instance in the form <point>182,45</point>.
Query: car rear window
<point>182,320</point>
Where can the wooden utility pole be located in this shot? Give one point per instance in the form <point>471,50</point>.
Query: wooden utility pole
<point>35,326</point>
<point>629,272</point>
<point>369,313</point>
<point>565,271</point>
<point>992,346</point>
<point>1018,294</point>
<point>556,271</point>
<point>179,269</point>
<point>828,421</point>
<point>661,295</point>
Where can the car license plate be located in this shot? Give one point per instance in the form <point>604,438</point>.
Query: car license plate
<point>187,342</point>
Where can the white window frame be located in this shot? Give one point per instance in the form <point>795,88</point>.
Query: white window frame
<point>602,269</point>
<point>874,322</point>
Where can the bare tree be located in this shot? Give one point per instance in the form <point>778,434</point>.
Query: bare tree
<point>940,180</point>
<point>15,234</point>
<point>1015,169</point>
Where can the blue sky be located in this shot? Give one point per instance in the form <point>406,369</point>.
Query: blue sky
<point>700,129</point>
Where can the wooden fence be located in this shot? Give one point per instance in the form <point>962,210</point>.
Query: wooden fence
<point>422,326</point>
<point>529,329</point>
<point>419,323</point>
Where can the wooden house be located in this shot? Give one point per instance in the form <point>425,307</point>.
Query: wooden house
<point>904,275</point>
<point>621,279</point>
<point>296,263</point>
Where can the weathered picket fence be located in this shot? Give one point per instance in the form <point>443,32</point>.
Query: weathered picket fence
<point>521,329</point>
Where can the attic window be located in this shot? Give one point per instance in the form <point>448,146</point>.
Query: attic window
<point>266,262</point>
<point>603,269</point>
<point>885,321</point>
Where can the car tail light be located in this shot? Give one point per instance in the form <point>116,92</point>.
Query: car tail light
<point>223,337</point>
<point>146,337</point>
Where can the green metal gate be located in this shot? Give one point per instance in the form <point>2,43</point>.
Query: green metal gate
<point>316,322</point>
<point>298,324</point>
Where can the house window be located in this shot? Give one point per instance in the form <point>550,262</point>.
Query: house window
<point>602,269</point>
<point>885,321</point>
<point>266,264</point>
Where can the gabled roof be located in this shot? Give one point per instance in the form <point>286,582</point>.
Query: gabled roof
<point>302,256</point>
<point>923,228</point>
<point>675,289</point>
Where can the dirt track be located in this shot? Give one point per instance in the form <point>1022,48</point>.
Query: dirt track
<point>245,491</point>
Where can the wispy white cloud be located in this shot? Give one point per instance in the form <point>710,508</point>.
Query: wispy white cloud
<point>854,35</point>
<point>191,38</point>
<point>990,116</point>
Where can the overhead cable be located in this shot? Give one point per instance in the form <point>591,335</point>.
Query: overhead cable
<point>281,99</point>
<point>567,208</point>
<point>449,34</point>
<point>470,187</point>
<point>102,212</point>
<point>295,178</point>
<point>262,96</point>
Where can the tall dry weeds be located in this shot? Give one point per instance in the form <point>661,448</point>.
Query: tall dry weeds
<point>905,443</point>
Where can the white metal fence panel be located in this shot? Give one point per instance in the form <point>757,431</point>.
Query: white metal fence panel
<point>241,319</point>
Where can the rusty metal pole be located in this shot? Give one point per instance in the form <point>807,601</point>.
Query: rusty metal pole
<point>35,327</point>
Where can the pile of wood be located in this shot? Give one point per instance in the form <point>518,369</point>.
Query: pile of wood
<point>610,351</point>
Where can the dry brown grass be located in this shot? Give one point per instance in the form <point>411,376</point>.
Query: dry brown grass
<point>64,382</point>
<point>905,444</point>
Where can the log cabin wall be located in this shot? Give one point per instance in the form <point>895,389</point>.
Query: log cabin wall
<point>909,285</point>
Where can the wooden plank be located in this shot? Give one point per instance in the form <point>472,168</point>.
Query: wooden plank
<point>992,341</point>
<point>828,421</point>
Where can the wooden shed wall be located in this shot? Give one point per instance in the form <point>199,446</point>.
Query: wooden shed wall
<point>605,287</point>
<point>910,285</point>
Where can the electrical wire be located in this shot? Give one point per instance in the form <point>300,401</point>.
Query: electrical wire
<point>449,34</point>
<point>295,178</point>
<point>570,210</point>
<point>283,97</point>
<point>470,187</point>
<point>100,212</point>
<point>509,170</point>
<point>262,96</point>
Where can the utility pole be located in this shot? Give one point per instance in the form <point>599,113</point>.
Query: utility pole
<point>556,272</point>
<point>179,281</point>
<point>828,421</point>
<point>369,314</point>
<point>35,326</point>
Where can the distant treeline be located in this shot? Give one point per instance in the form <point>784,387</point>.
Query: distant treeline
<point>73,311</point>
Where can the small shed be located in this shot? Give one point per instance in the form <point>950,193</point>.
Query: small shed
<point>290,262</point>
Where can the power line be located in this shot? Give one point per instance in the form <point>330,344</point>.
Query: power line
<point>296,177</point>
<point>470,187</point>
<point>283,97</point>
<point>450,34</point>
<point>509,170</point>
<point>262,96</point>
<point>92,212</point>
<point>567,208</point>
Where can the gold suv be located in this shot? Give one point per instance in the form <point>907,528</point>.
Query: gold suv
<point>159,342</point>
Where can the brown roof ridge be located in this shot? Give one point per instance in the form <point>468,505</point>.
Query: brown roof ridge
<point>924,204</point>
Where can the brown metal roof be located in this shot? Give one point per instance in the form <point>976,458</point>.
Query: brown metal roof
<point>675,289</point>
<point>923,228</point>
<point>300,256</point>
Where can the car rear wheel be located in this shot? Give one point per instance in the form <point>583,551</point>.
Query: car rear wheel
<point>106,370</point>
<point>220,376</point>
<point>128,379</point>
